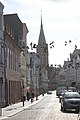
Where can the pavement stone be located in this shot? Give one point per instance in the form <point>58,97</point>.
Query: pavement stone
<point>18,107</point>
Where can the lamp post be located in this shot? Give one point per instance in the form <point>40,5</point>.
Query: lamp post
<point>23,95</point>
<point>22,85</point>
<point>37,78</point>
<point>1,82</point>
<point>36,84</point>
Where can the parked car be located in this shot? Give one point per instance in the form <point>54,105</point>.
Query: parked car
<point>59,90</point>
<point>71,100</point>
<point>62,94</point>
<point>49,92</point>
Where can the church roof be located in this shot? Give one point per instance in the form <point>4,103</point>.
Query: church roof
<point>41,40</point>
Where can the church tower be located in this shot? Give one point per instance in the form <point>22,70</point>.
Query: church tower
<point>42,47</point>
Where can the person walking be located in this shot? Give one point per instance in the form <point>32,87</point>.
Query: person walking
<point>28,96</point>
<point>32,96</point>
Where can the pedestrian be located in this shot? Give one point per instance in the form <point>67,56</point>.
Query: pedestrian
<point>23,100</point>
<point>32,96</point>
<point>36,96</point>
<point>28,96</point>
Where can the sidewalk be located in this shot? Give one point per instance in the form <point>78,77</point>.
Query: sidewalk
<point>18,107</point>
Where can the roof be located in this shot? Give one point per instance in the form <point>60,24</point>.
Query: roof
<point>75,53</point>
<point>15,24</point>
<point>1,5</point>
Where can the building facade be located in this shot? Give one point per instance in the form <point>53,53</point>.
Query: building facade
<point>23,60</point>
<point>13,40</point>
<point>72,68</point>
<point>2,59</point>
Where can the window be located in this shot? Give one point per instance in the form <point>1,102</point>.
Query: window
<point>5,56</point>
<point>15,62</point>
<point>1,22</point>
<point>12,60</point>
<point>8,60</point>
<point>0,55</point>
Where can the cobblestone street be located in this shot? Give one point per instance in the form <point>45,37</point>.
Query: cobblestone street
<point>46,109</point>
<point>56,114</point>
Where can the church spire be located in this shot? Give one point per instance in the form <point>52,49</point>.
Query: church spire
<point>42,47</point>
<point>41,35</point>
<point>41,22</point>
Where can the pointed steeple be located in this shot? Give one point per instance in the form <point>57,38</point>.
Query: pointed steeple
<point>41,23</point>
<point>41,35</point>
<point>42,47</point>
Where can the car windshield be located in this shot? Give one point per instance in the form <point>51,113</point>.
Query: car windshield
<point>62,93</point>
<point>72,95</point>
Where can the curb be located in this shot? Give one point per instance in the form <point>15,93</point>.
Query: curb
<point>22,108</point>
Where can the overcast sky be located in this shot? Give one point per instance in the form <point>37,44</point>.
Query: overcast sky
<point>61,22</point>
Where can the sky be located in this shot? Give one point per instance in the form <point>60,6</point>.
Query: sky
<point>61,22</point>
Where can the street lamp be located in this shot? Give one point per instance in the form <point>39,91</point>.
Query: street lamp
<point>22,85</point>
<point>37,80</point>
<point>1,82</point>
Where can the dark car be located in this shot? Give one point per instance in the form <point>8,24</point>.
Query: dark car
<point>71,100</point>
<point>62,94</point>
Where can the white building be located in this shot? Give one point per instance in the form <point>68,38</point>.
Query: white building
<point>35,66</point>
<point>72,68</point>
